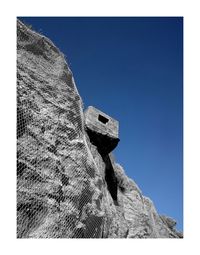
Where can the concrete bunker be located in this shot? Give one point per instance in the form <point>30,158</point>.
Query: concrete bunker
<point>102,129</point>
<point>103,133</point>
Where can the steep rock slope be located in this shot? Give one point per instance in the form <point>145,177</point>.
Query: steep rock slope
<point>62,191</point>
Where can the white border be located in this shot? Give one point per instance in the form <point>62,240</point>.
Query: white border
<point>190,11</point>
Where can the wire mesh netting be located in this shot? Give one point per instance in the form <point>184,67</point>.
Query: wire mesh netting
<point>57,191</point>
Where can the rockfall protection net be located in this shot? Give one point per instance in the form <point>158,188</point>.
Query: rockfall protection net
<point>56,192</point>
<point>45,183</point>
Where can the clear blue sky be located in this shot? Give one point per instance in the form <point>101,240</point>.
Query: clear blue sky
<point>132,69</point>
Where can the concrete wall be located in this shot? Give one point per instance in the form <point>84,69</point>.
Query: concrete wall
<point>100,122</point>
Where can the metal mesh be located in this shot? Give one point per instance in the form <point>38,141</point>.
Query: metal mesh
<point>57,191</point>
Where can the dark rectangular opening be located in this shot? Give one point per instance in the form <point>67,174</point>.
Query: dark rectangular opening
<point>103,119</point>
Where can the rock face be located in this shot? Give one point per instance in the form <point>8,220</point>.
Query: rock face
<point>66,186</point>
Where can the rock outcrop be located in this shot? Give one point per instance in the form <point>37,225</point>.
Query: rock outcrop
<point>66,188</point>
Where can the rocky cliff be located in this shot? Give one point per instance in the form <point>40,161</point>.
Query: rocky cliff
<point>64,183</point>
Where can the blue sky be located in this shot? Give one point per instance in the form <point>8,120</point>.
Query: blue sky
<point>132,69</point>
